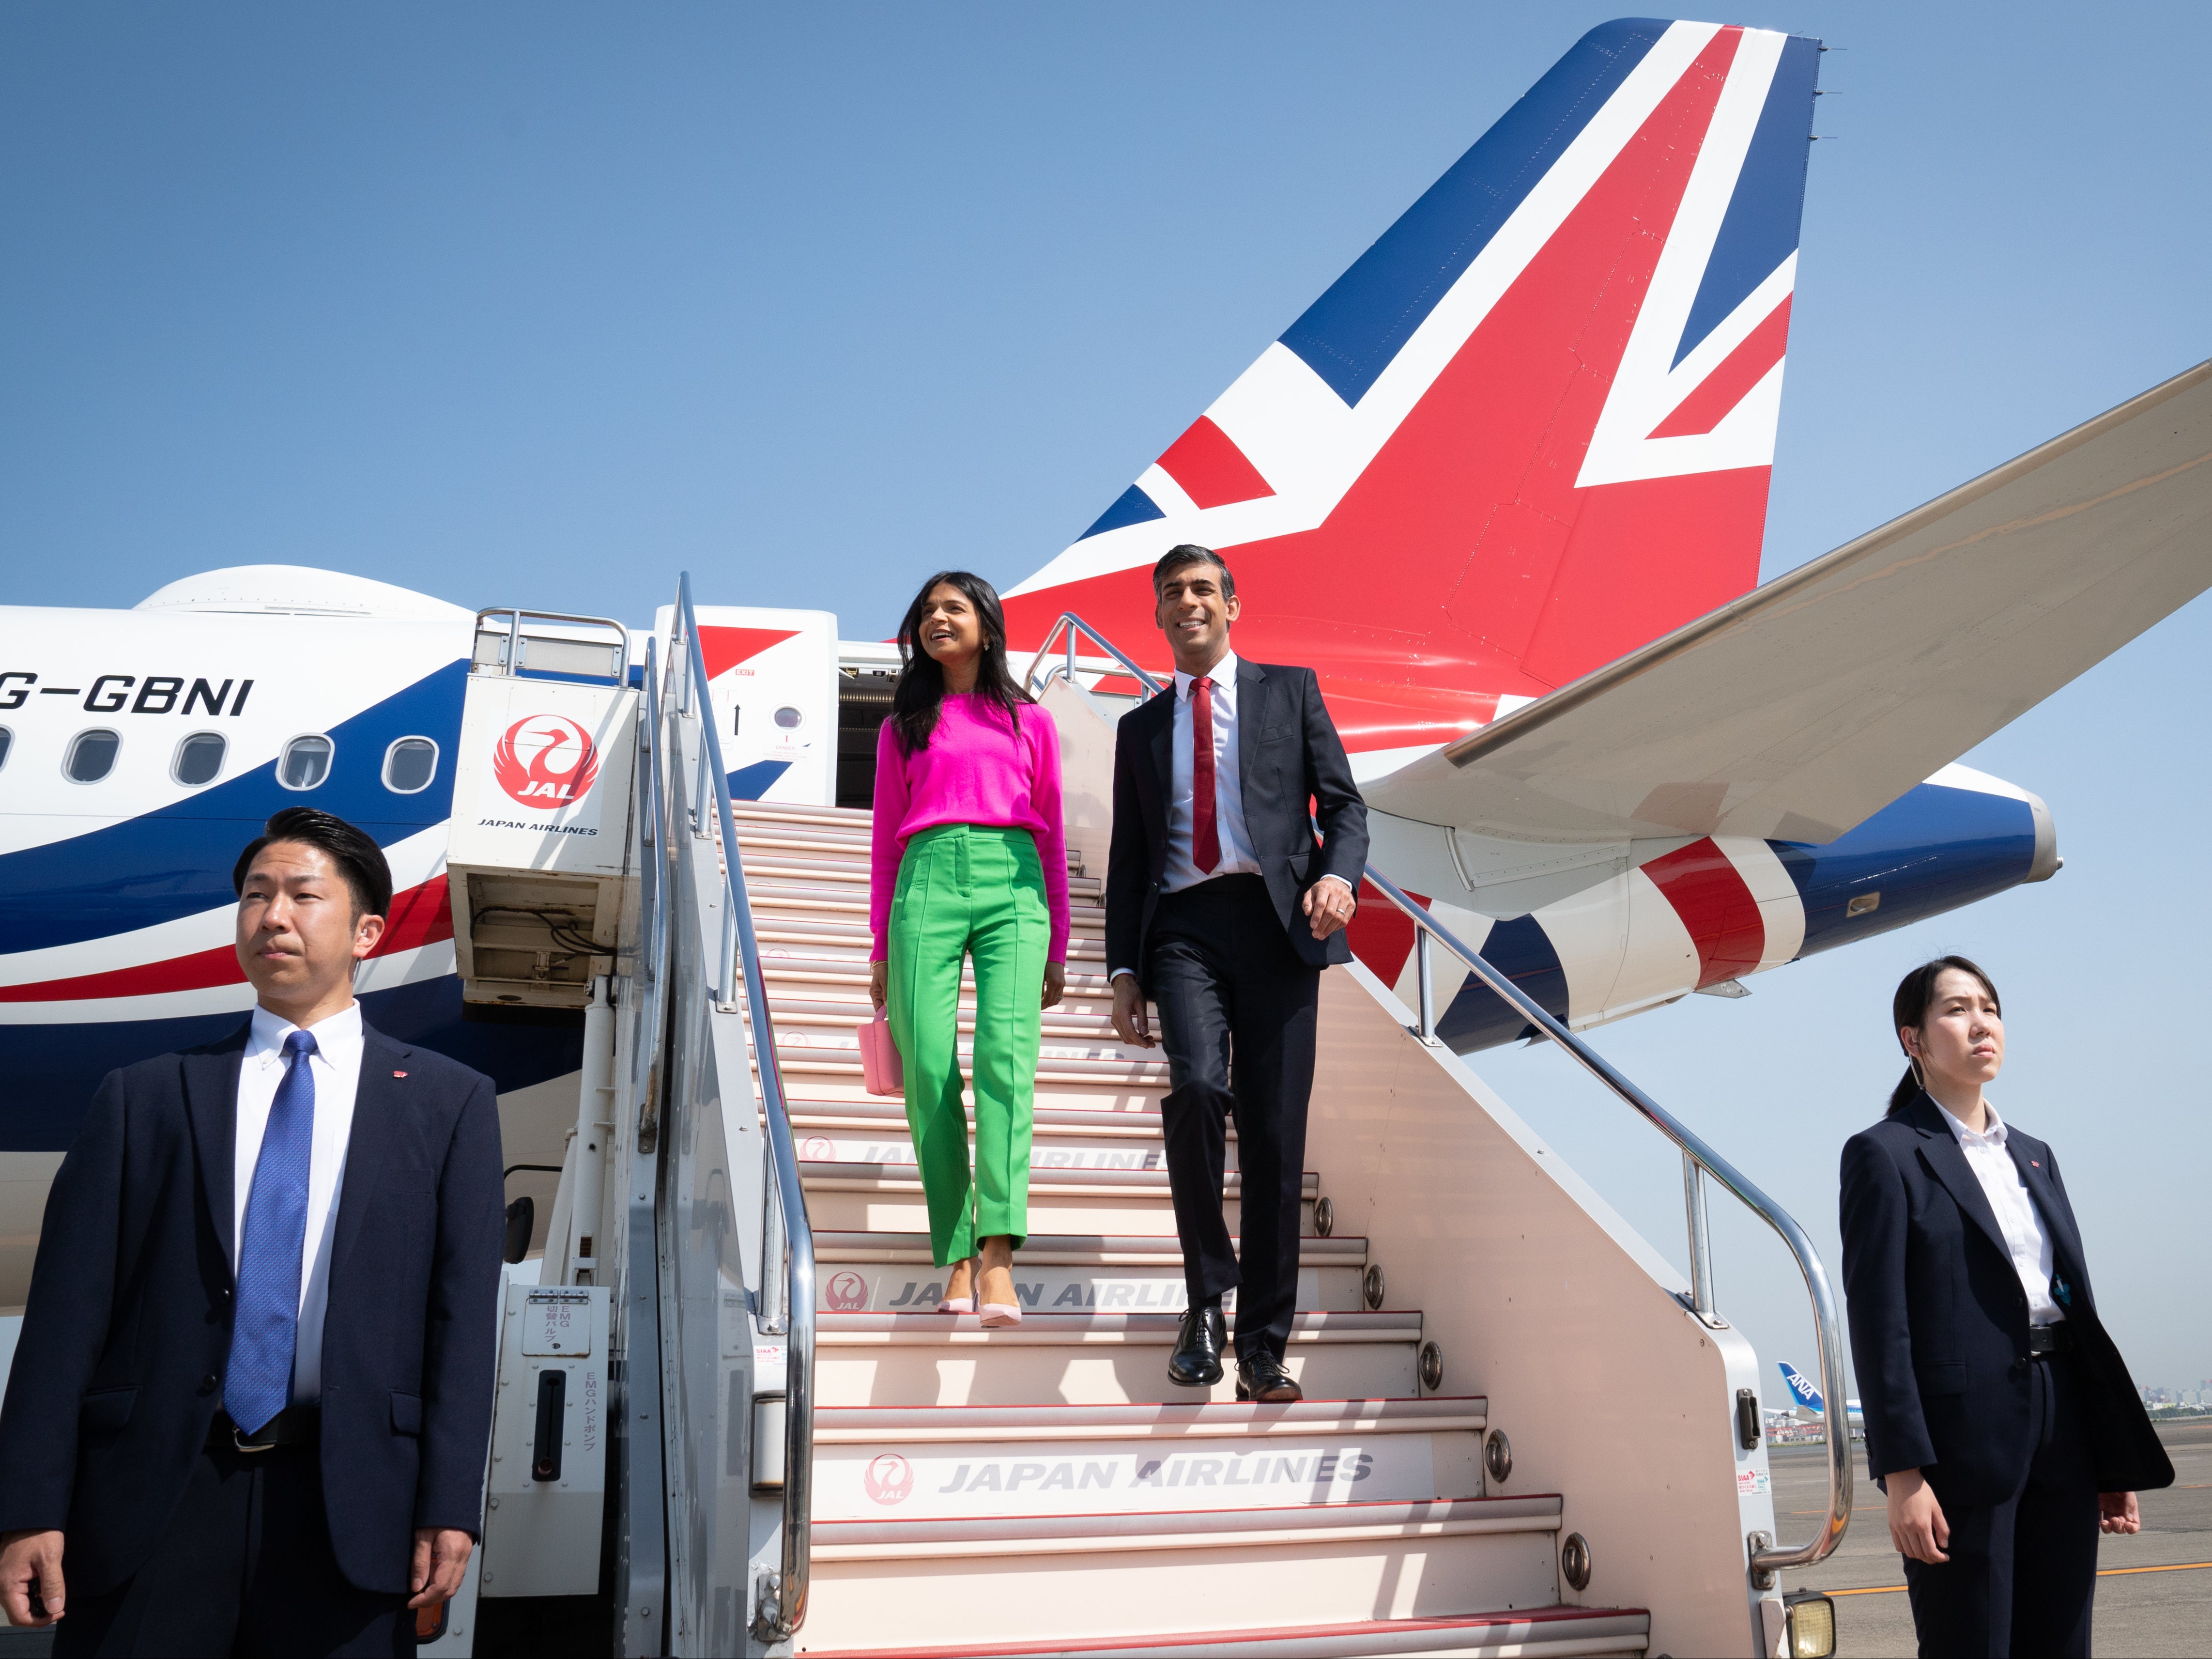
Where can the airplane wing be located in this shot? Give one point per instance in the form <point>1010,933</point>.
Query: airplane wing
<point>1811,703</point>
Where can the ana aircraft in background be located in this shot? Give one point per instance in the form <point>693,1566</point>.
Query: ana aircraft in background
<point>1809,1398</point>
<point>1504,485</point>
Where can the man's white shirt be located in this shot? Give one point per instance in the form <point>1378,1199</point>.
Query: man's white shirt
<point>2026,1240</point>
<point>336,1068</point>
<point>1238,858</point>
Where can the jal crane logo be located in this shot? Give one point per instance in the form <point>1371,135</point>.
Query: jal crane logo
<point>547,761</point>
<point>888,1479</point>
<point>847,1293</point>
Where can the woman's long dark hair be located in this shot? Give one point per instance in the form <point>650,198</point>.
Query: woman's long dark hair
<point>1914,991</point>
<point>920,686</point>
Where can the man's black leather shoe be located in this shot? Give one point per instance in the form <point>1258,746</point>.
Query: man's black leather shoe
<point>1196,1361</point>
<point>1260,1376</point>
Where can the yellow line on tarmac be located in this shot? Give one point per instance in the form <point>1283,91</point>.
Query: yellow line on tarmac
<point>2103,1572</point>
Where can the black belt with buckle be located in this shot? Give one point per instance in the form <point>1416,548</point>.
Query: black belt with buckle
<point>2045,1340</point>
<point>296,1425</point>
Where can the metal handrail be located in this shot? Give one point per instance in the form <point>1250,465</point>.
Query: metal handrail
<point>781,1607</point>
<point>1698,1159</point>
<point>514,633</point>
<point>655,827</point>
<point>1071,624</point>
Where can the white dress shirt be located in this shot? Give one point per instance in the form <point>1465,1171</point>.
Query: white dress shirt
<point>1238,858</point>
<point>2024,1238</point>
<point>336,1068</point>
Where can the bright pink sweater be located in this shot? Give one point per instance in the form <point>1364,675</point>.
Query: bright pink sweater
<point>976,771</point>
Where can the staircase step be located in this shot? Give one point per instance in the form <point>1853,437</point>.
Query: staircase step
<point>1061,1030</point>
<point>1096,1578</point>
<point>855,943</point>
<point>789,879</point>
<point>894,1288</point>
<point>835,939</point>
<point>829,1080</point>
<point>792,974</point>
<point>888,1197</point>
<point>1122,1126</point>
<point>815,888</point>
<point>1246,1420</point>
<point>774,812</point>
<point>1089,1358</point>
<point>1540,1631</point>
<point>1092,1250</point>
<point>866,1474</point>
<point>825,1054</point>
<point>1072,1182</point>
<point>1071,1060</point>
<point>824,1139</point>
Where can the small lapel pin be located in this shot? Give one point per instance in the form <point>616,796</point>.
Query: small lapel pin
<point>2035,1163</point>
<point>399,1074</point>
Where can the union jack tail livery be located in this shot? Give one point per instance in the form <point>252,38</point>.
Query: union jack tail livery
<point>1536,419</point>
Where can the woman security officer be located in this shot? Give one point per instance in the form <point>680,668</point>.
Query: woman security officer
<point>2000,1418</point>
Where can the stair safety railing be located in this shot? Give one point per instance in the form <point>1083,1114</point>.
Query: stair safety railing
<point>787,1298</point>
<point>1069,629</point>
<point>1698,1159</point>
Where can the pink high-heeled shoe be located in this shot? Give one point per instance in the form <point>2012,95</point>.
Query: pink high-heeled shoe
<point>963,1305</point>
<point>997,1315</point>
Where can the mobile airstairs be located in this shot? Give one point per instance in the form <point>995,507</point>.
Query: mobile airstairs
<point>801,1456</point>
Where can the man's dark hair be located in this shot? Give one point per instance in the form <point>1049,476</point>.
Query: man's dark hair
<point>359,859</point>
<point>1191,553</point>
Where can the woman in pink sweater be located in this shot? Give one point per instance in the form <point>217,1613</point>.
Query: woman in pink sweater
<point>971,862</point>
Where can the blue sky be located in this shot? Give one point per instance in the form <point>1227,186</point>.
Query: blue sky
<point>542,304</point>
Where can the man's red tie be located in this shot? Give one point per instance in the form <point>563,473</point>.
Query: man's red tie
<point>1204,839</point>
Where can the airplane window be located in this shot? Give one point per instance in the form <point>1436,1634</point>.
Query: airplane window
<point>409,764</point>
<point>787,717</point>
<point>306,763</point>
<point>199,758</point>
<point>7,741</point>
<point>91,756</point>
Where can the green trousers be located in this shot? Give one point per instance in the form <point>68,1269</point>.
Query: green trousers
<point>966,890</point>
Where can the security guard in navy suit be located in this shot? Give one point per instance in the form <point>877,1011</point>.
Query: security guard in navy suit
<point>269,1272</point>
<point>2000,1418</point>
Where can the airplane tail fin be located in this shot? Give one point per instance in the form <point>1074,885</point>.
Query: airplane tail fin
<point>1528,430</point>
<point>1801,1387</point>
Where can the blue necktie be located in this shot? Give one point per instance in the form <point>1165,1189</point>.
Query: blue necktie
<point>267,1327</point>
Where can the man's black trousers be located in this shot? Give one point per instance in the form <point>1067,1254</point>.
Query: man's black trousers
<point>2022,1573</point>
<point>244,1567</point>
<point>1237,1009</point>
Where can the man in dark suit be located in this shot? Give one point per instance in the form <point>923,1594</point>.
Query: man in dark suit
<point>1224,909</point>
<point>2001,1420</point>
<point>268,1273</point>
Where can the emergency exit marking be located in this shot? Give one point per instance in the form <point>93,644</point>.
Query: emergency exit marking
<point>558,1322</point>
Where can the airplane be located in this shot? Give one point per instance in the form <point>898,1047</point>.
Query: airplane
<point>1806,1396</point>
<point>1504,485</point>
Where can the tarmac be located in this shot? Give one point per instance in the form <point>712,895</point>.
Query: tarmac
<point>2154,1590</point>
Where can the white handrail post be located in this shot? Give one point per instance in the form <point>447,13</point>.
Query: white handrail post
<point>681,664</point>
<point>702,822</point>
<point>726,990</point>
<point>1426,970</point>
<point>1701,1243</point>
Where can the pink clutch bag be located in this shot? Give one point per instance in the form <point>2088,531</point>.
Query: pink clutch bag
<point>879,1057</point>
